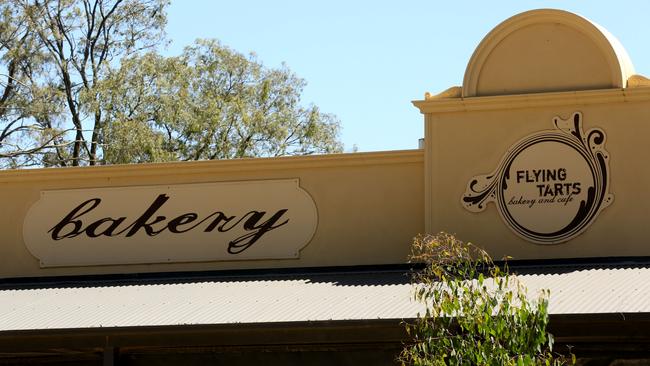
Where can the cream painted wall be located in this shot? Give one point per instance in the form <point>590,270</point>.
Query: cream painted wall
<point>467,144</point>
<point>549,57</point>
<point>546,50</point>
<point>529,69</point>
<point>369,206</point>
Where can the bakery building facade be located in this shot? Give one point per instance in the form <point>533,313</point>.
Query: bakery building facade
<point>540,155</point>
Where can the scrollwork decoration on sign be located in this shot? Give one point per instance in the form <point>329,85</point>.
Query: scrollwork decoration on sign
<point>550,186</point>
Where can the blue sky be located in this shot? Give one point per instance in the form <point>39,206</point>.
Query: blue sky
<point>365,61</point>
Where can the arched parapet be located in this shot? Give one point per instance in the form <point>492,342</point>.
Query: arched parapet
<point>546,50</point>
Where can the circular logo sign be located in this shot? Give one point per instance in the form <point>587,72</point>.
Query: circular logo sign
<point>550,186</point>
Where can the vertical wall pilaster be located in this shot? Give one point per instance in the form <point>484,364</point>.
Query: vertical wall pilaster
<point>430,162</point>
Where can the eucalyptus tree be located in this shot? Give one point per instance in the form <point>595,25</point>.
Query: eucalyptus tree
<point>26,131</point>
<point>83,84</point>
<point>210,103</point>
<point>82,39</point>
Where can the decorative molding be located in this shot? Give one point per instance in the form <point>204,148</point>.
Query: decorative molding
<point>215,166</point>
<point>554,99</point>
<point>637,81</point>
<point>453,92</point>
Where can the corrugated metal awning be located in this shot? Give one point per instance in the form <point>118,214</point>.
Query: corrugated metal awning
<point>360,294</point>
<point>297,297</point>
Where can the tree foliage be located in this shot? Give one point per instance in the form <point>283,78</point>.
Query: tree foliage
<point>84,84</point>
<point>476,312</point>
<point>211,103</point>
<point>24,107</point>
